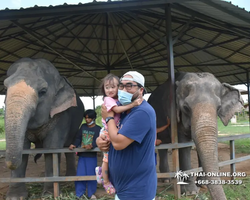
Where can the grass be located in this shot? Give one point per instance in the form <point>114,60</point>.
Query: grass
<point>233,192</point>
<point>242,127</point>
<point>242,146</point>
<point>2,130</point>
<point>239,192</point>
<point>2,145</point>
<point>2,134</point>
<point>67,192</point>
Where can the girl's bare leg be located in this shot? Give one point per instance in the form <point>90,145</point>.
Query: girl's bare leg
<point>105,172</point>
<point>106,183</point>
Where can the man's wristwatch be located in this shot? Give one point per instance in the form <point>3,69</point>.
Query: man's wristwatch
<point>108,118</point>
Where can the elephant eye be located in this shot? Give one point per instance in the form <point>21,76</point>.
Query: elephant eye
<point>186,108</point>
<point>42,92</point>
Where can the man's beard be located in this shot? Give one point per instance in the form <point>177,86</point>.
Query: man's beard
<point>136,95</point>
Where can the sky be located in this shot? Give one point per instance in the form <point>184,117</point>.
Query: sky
<point>88,102</point>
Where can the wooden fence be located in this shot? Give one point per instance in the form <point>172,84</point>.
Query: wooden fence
<point>56,178</point>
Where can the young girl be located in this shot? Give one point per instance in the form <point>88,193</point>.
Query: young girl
<point>109,88</point>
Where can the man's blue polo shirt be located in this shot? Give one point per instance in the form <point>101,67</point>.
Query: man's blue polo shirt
<point>132,170</point>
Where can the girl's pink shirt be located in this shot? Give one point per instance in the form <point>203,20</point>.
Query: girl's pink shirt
<point>110,103</point>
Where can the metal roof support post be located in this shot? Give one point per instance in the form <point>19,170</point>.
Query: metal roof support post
<point>232,156</point>
<point>175,153</point>
<point>248,97</point>
<point>107,42</point>
<point>93,102</point>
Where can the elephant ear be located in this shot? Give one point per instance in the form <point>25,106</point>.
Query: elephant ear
<point>231,102</point>
<point>64,98</point>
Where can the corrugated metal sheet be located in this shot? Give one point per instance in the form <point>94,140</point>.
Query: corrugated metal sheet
<point>209,36</point>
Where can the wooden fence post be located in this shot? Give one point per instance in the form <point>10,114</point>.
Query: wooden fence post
<point>56,174</point>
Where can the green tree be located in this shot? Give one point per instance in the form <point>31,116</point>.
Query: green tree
<point>99,116</point>
<point>2,110</point>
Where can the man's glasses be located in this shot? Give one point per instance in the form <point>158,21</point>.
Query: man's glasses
<point>128,86</point>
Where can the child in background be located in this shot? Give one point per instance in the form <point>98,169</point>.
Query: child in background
<point>109,88</point>
<point>87,161</point>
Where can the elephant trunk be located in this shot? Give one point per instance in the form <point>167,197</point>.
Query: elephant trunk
<point>21,101</point>
<point>204,133</point>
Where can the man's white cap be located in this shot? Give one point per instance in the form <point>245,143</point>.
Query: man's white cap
<point>136,77</point>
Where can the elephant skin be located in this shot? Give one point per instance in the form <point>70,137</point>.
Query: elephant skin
<point>43,108</point>
<point>200,98</point>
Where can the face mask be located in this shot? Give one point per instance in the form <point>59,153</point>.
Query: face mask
<point>90,123</point>
<point>124,97</point>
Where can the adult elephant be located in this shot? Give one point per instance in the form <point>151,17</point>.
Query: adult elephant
<point>200,97</point>
<point>43,108</point>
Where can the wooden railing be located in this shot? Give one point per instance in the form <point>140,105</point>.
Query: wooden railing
<point>56,178</point>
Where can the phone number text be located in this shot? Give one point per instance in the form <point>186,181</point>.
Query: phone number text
<point>219,182</point>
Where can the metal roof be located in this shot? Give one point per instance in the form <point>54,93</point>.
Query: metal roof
<point>86,41</point>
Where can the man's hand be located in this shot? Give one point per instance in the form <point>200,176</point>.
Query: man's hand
<point>105,113</point>
<point>71,147</point>
<point>89,146</point>
<point>102,143</point>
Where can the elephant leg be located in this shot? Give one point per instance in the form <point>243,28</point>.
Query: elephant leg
<point>185,158</point>
<point>48,186</point>
<point>18,190</point>
<point>185,164</point>
<point>54,140</point>
<point>163,163</point>
<point>70,164</point>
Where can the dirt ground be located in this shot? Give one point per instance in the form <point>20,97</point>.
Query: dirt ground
<point>37,170</point>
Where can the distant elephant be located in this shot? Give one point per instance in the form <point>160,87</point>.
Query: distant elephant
<point>200,97</point>
<point>43,108</point>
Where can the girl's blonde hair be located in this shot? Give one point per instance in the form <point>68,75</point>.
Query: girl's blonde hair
<point>110,78</point>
